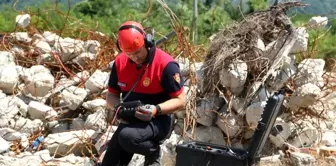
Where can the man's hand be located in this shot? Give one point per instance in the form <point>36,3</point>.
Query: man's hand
<point>146,112</point>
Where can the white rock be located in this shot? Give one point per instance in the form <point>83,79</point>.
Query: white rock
<point>230,124</point>
<point>17,50</point>
<point>77,124</point>
<point>62,143</point>
<point>60,128</point>
<point>170,143</point>
<point>9,78</point>
<point>206,110</point>
<point>97,82</point>
<point>198,69</point>
<point>301,43</point>
<point>238,105</point>
<point>137,160</point>
<point>69,48</point>
<point>84,58</point>
<point>184,65</point>
<point>6,58</point>
<point>210,134</point>
<point>248,133</point>
<point>4,146</point>
<point>262,94</point>
<point>104,138</point>
<point>26,159</point>
<point>21,37</point>
<point>260,45</point>
<point>234,77</point>
<point>254,112</point>
<point>96,121</point>
<point>317,22</point>
<point>22,20</point>
<point>94,104</point>
<point>302,159</point>
<point>8,107</point>
<point>26,126</point>
<point>304,96</point>
<point>51,38</point>
<point>23,107</point>
<point>329,138</point>
<point>38,81</point>
<point>74,96</point>
<point>81,76</point>
<point>24,141</point>
<point>42,46</point>
<point>9,134</point>
<point>179,126</point>
<point>305,138</point>
<point>39,110</point>
<point>93,46</point>
<point>281,76</point>
<point>71,160</point>
<point>283,131</point>
<point>4,121</point>
<point>43,58</point>
<point>271,160</point>
<point>310,71</point>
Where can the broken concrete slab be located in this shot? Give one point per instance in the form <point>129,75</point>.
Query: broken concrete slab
<point>9,78</point>
<point>304,96</point>
<point>310,71</point>
<point>280,132</point>
<point>26,125</point>
<point>68,142</point>
<point>38,80</point>
<point>230,123</point>
<point>210,134</point>
<point>302,159</point>
<point>206,110</point>
<point>97,81</point>
<point>41,111</point>
<point>74,96</point>
<point>6,58</point>
<point>253,113</point>
<point>234,77</point>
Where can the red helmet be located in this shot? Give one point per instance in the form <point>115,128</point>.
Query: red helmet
<point>131,36</point>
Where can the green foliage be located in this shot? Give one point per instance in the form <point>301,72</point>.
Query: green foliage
<point>256,5</point>
<point>6,19</point>
<point>107,15</point>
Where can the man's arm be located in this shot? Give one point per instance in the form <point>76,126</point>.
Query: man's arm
<point>112,99</point>
<point>172,83</point>
<point>113,94</point>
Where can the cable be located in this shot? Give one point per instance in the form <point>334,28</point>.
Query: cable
<point>108,133</point>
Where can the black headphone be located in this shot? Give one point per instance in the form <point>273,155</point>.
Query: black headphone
<point>148,38</point>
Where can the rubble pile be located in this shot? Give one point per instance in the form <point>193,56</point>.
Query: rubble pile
<point>247,62</point>
<point>52,117</point>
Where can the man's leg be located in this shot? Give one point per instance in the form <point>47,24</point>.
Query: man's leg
<point>142,139</point>
<point>115,155</point>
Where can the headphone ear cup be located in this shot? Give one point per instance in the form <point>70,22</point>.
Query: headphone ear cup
<point>118,47</point>
<point>149,40</point>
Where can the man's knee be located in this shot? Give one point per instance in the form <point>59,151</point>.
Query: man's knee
<point>128,138</point>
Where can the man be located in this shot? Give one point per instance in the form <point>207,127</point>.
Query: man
<point>160,88</point>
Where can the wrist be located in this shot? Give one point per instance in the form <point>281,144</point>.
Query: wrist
<point>158,110</point>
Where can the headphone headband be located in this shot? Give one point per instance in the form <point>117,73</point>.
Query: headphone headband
<point>132,26</point>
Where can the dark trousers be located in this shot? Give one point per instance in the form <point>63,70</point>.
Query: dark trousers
<point>142,138</point>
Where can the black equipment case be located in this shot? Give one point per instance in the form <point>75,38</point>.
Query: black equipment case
<point>205,154</point>
<point>196,153</point>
